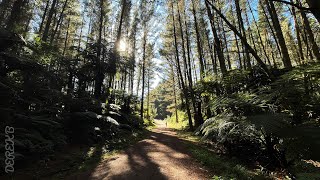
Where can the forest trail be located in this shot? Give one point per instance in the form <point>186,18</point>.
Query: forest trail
<point>161,156</point>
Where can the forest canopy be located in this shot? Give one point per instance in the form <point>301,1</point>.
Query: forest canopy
<point>244,74</point>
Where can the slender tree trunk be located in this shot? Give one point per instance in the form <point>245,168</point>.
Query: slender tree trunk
<point>217,42</point>
<point>148,100</point>
<point>44,16</point>
<point>243,33</point>
<point>175,95</point>
<point>259,34</point>
<point>314,46</point>
<point>49,20</point>
<point>66,39</point>
<point>143,69</point>
<point>58,22</point>
<point>298,32</point>
<point>188,75</point>
<point>221,29</point>
<point>275,21</point>
<point>120,23</point>
<point>202,73</point>
<point>139,77</point>
<point>180,73</point>
<point>133,64</point>
<point>251,50</point>
<point>238,49</point>
<point>80,37</point>
<point>99,75</point>
<point>211,52</point>
<point>182,43</point>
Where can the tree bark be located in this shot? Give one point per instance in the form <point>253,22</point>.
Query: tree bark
<point>217,41</point>
<point>251,50</point>
<point>185,93</point>
<point>99,74</point>
<point>314,46</point>
<point>243,32</point>
<point>44,16</point>
<point>143,70</point>
<point>277,27</point>
<point>202,73</point>
<point>259,34</point>
<point>16,14</point>
<point>49,20</point>
<point>175,95</point>
<point>197,115</point>
<point>58,22</point>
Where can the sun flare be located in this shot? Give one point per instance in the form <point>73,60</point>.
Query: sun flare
<point>122,45</point>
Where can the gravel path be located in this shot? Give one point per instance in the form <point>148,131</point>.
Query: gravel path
<point>161,156</point>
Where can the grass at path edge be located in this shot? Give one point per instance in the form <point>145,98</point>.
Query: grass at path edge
<point>223,168</point>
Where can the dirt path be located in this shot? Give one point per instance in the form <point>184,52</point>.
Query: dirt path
<point>162,155</point>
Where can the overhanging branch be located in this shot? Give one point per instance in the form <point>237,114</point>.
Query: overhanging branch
<point>293,4</point>
<point>234,29</point>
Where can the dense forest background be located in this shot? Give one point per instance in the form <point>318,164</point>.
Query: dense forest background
<point>240,73</point>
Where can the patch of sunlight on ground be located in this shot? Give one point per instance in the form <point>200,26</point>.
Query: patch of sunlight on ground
<point>188,136</point>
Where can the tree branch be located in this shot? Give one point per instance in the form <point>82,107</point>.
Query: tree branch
<point>293,4</point>
<point>234,29</point>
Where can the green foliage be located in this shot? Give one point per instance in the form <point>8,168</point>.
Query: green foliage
<point>223,167</point>
<point>182,121</point>
<point>278,118</point>
<point>226,127</point>
<point>46,97</point>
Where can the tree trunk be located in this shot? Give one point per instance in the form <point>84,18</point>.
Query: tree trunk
<point>217,41</point>
<point>175,95</point>
<point>202,73</point>
<point>180,73</point>
<point>44,16</point>
<point>100,75</point>
<point>259,34</point>
<point>66,39</point>
<point>58,22</point>
<point>49,20</point>
<point>148,100</point>
<point>16,14</point>
<point>188,73</point>
<point>143,69</point>
<point>211,53</point>
<point>4,6</point>
<point>314,46</point>
<point>277,27</point>
<point>243,33</point>
<point>298,32</point>
<point>251,50</point>
<point>120,23</point>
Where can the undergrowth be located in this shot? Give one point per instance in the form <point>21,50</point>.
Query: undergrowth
<point>80,159</point>
<point>182,121</point>
<point>222,167</point>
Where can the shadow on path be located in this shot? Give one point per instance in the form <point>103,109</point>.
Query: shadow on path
<point>161,156</point>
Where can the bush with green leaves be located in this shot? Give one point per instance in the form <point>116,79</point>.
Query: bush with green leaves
<point>45,96</point>
<point>278,117</point>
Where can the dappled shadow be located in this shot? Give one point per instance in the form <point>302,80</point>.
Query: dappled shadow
<point>141,165</point>
<point>161,156</point>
